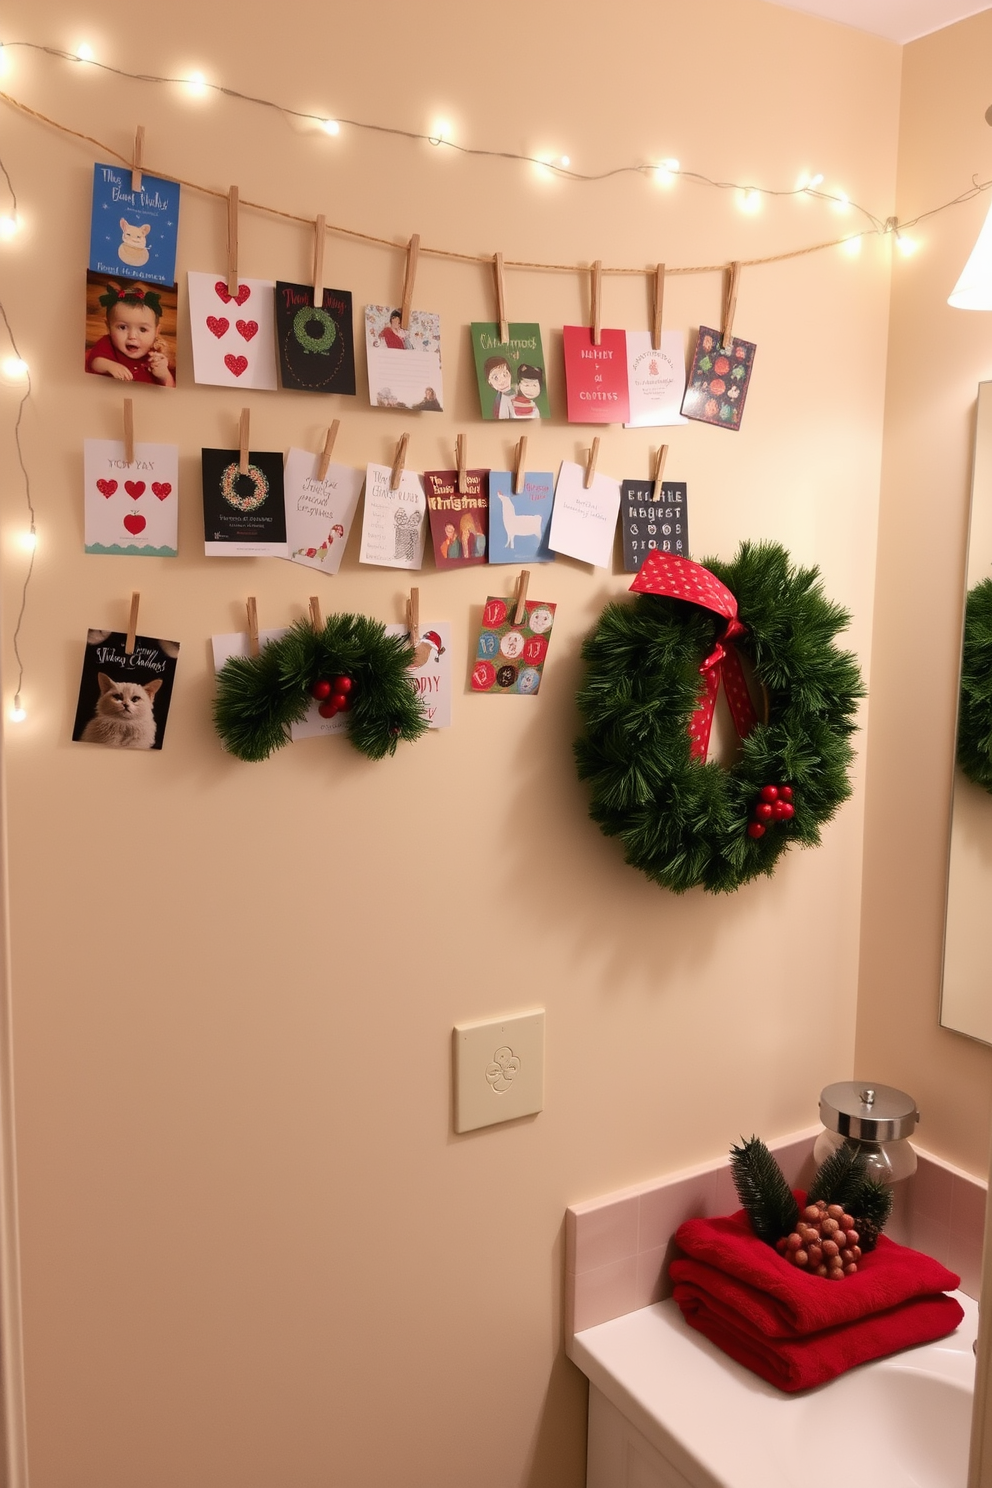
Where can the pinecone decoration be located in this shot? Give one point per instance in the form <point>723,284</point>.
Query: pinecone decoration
<point>868,1232</point>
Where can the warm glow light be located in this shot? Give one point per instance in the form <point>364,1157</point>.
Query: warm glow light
<point>8,226</point>
<point>750,200</point>
<point>852,246</point>
<point>29,540</point>
<point>14,369</point>
<point>197,84</point>
<point>3,60</point>
<point>84,52</point>
<point>973,290</point>
<point>666,171</point>
<point>566,162</point>
<point>816,180</point>
<point>441,130</point>
<point>841,202</point>
<point>907,246</point>
<point>331,126</point>
<point>17,713</point>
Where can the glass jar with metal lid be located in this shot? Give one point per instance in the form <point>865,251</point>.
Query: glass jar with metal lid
<point>876,1119</point>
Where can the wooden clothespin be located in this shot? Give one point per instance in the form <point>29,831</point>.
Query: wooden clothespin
<point>413,617</point>
<point>460,443</point>
<point>252,609</point>
<point>232,241</point>
<point>316,619</point>
<point>412,255</point>
<point>727,336</point>
<point>520,615</point>
<point>504,328</point>
<point>659,305</point>
<point>320,235</point>
<point>132,624</point>
<point>139,147</point>
<point>128,431</point>
<point>597,293</point>
<point>659,470</point>
<point>518,469</point>
<point>398,463</point>
<point>328,450</point>
<point>243,436</point>
<point>591,463</point>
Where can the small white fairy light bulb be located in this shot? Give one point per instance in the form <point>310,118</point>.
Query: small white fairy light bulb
<point>565,162</point>
<point>14,369</point>
<point>666,171</point>
<point>749,200</point>
<point>815,181</point>
<point>907,246</point>
<point>440,132</point>
<point>84,52</point>
<point>842,202</point>
<point>331,126</point>
<point>29,539</point>
<point>196,84</point>
<point>852,246</point>
<point>17,713</point>
<point>9,225</point>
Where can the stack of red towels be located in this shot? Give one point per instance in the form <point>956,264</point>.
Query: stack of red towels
<point>796,1329</point>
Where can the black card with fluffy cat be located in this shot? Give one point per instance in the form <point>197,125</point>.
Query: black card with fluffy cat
<point>124,696</point>
<point>244,516</point>
<point>316,342</point>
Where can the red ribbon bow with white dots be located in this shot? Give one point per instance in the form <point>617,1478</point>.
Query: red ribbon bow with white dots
<point>679,578</point>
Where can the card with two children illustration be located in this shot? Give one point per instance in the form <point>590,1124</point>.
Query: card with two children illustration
<point>511,374</point>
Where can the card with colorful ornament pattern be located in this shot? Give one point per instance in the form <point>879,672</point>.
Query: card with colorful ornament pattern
<point>509,657</point>
<point>131,509</point>
<point>719,380</point>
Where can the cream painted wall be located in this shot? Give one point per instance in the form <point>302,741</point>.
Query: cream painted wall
<point>253,1249</point>
<point>937,356</point>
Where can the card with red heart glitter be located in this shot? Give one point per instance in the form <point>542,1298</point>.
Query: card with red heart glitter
<point>131,509</point>
<point>233,335</point>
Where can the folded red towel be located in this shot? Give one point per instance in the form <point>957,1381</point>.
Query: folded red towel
<point>730,1264</point>
<point>801,1362</point>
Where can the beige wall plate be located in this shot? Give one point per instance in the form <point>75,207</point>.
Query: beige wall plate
<point>498,1069</point>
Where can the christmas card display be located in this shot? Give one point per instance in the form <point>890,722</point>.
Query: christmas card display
<point>314,722</point>
<point>124,696</point>
<point>130,330</point>
<point>518,524</point>
<point>404,365</point>
<point>459,524</point>
<point>511,374</point>
<point>134,230</point>
<point>233,335</point>
<point>655,379</point>
<point>647,525</point>
<point>244,516</point>
<point>430,670</point>
<point>394,530</point>
<point>316,342</point>
<point>132,509</point>
<point>510,657</point>
<point>319,513</point>
<point>596,376</point>
<point>583,520</point>
<point>719,380</point>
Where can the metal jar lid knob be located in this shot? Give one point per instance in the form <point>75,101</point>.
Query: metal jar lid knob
<point>869,1113</point>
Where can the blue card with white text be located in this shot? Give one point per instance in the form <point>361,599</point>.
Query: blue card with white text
<point>518,525</point>
<point>133,234</point>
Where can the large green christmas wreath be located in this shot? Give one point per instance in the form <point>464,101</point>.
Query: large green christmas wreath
<point>975,709</point>
<point>259,697</point>
<point>686,822</point>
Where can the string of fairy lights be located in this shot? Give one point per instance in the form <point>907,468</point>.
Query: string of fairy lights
<point>666,171</point>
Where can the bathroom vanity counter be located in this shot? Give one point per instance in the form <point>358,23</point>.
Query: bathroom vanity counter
<point>667,1409</point>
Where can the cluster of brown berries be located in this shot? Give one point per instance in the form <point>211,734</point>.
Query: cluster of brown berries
<point>333,696</point>
<point>774,804</point>
<point>824,1242</point>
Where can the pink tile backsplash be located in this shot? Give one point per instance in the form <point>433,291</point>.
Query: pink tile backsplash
<point>617,1248</point>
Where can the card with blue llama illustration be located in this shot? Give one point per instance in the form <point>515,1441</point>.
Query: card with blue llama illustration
<point>519,520</point>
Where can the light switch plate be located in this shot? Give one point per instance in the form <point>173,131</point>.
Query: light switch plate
<point>499,1069</point>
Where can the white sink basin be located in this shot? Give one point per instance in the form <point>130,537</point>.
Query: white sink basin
<point>695,1419</point>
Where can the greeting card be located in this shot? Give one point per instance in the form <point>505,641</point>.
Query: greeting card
<point>134,508</point>
<point>459,524</point>
<point>124,696</point>
<point>233,335</point>
<point>316,342</point>
<point>430,671</point>
<point>596,376</point>
<point>244,516</point>
<point>648,526</point>
<point>583,521</point>
<point>404,365</point>
<point>133,233</point>
<point>130,330</point>
<point>511,374</point>
<point>518,524</point>
<point>311,723</point>
<point>510,657</point>
<point>719,380</point>
<point>319,513</point>
<point>394,529</point>
<point>655,379</point>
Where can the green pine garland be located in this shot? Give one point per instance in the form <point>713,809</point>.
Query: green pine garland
<point>763,1191</point>
<point>682,822</point>
<point>258,698</point>
<point>975,711</point>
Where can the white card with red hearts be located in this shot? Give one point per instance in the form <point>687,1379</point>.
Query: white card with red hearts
<point>234,339</point>
<point>131,509</point>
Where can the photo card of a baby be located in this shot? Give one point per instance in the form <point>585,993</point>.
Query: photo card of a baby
<point>130,330</point>
<point>511,374</point>
<point>404,361</point>
<point>124,696</point>
<point>133,233</point>
<point>316,342</point>
<point>131,509</point>
<point>233,335</point>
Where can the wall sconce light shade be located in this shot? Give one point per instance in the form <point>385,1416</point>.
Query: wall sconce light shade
<point>973,290</point>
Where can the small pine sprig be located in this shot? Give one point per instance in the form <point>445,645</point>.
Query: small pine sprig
<point>763,1191</point>
<point>846,1167</point>
<point>873,1201</point>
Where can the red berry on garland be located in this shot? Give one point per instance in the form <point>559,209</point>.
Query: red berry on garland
<point>778,810</point>
<point>785,811</point>
<point>341,702</point>
<point>764,811</point>
<point>343,684</point>
<point>785,791</point>
<point>321,690</point>
<point>328,709</point>
<point>769,792</point>
<point>755,829</point>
